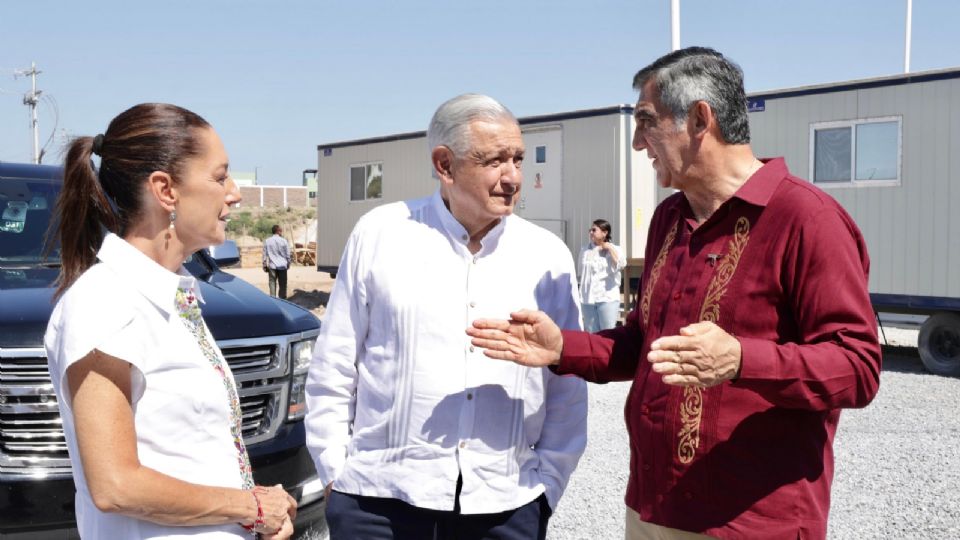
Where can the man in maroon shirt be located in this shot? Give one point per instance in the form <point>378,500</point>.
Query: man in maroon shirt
<point>754,325</point>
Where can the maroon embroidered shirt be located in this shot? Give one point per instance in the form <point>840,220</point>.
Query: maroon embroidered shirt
<point>782,267</point>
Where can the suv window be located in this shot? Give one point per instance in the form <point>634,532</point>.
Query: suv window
<point>27,206</point>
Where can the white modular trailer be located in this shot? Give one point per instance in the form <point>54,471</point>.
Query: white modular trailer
<point>579,166</point>
<point>888,149</point>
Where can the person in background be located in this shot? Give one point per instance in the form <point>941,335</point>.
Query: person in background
<point>150,409</point>
<point>601,266</point>
<point>415,433</point>
<point>276,261</point>
<point>753,331</point>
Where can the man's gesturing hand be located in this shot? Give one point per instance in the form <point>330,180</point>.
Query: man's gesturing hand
<point>529,338</point>
<point>702,355</point>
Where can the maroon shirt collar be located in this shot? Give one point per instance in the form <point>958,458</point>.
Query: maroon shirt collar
<point>757,190</point>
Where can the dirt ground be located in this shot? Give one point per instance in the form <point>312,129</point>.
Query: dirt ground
<point>305,286</point>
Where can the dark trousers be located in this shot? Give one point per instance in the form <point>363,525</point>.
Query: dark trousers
<point>278,275</point>
<point>353,517</point>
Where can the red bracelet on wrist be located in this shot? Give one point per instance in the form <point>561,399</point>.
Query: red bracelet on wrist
<point>257,523</point>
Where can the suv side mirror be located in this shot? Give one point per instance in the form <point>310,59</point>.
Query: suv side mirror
<point>226,254</point>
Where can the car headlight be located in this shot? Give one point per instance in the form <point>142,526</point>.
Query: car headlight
<point>301,353</point>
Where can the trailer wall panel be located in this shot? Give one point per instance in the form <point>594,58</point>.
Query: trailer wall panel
<point>406,175</point>
<point>912,229</point>
<point>952,113</point>
<point>592,183</point>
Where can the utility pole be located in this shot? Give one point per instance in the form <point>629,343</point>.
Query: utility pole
<point>906,44</point>
<point>31,99</point>
<point>674,25</point>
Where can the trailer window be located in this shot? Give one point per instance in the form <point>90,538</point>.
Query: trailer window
<point>832,154</point>
<point>856,152</point>
<point>366,181</point>
<point>878,150</point>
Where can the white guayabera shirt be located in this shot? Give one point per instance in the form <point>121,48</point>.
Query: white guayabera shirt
<point>125,307</point>
<point>399,403</point>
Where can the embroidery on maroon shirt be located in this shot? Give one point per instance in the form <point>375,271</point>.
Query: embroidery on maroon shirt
<point>691,408</point>
<point>718,286</point>
<point>655,272</point>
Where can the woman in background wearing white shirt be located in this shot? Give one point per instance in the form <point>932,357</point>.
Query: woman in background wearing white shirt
<point>600,264</point>
<point>150,409</point>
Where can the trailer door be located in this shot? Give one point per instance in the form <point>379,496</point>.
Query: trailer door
<point>541,196</point>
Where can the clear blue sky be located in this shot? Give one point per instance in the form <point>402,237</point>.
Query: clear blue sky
<point>278,78</point>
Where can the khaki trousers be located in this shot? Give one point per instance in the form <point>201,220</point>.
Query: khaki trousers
<point>636,529</point>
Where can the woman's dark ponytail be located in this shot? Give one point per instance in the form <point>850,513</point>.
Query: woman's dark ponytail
<point>141,140</point>
<point>83,211</point>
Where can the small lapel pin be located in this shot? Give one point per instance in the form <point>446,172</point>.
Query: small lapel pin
<point>712,258</point>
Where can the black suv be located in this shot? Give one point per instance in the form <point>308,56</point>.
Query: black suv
<point>267,342</point>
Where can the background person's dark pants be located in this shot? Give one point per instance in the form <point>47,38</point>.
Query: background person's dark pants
<point>278,275</point>
<point>352,517</point>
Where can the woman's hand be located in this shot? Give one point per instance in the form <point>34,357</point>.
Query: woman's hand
<point>285,532</point>
<point>278,507</point>
<point>611,250</point>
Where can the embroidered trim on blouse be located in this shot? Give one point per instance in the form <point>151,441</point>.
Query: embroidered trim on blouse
<point>190,315</point>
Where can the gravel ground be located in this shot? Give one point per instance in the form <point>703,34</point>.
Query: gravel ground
<point>897,461</point>
<point>592,506</point>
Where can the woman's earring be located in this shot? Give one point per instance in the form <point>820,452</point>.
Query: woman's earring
<point>173,217</point>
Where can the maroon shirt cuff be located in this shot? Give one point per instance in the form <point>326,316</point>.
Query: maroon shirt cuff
<point>757,359</point>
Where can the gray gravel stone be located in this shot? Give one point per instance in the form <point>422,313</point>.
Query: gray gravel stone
<point>592,505</point>
<point>897,461</point>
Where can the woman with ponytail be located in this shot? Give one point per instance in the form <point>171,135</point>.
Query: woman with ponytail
<point>601,263</point>
<point>150,409</point>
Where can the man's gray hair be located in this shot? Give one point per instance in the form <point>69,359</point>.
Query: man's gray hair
<point>694,74</point>
<point>450,125</point>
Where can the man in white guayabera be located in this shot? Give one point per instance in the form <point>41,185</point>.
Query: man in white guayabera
<point>417,434</point>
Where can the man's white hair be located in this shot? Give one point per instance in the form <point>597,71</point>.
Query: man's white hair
<point>450,125</point>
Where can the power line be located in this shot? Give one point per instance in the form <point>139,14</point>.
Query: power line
<point>52,103</point>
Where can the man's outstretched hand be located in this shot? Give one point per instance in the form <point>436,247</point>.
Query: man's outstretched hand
<point>529,338</point>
